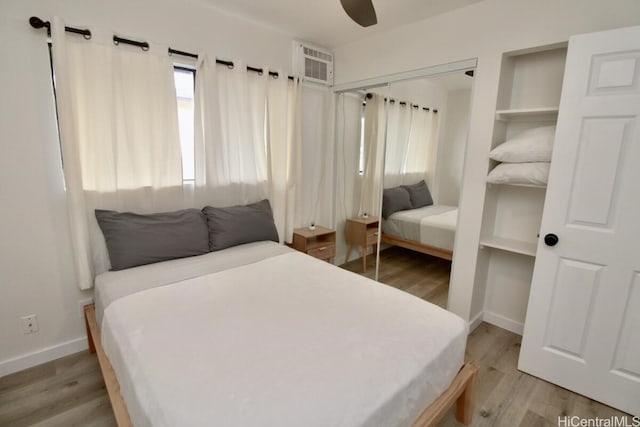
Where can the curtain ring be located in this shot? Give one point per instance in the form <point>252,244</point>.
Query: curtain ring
<point>145,46</point>
<point>230,66</point>
<point>116,42</point>
<point>260,72</point>
<point>86,36</point>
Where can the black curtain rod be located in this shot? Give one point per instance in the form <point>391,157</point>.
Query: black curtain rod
<point>391,100</point>
<point>182,53</point>
<point>142,45</point>
<point>39,23</point>
<point>223,62</point>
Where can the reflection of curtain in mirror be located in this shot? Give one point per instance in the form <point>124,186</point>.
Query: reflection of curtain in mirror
<point>348,128</point>
<point>423,148</point>
<point>399,128</point>
<point>374,130</point>
<point>411,145</point>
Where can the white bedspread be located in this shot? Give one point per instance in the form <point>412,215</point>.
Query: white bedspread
<point>112,285</point>
<point>286,341</point>
<point>433,225</point>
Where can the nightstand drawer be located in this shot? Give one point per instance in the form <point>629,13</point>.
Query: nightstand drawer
<point>319,242</point>
<point>323,252</point>
<point>372,237</point>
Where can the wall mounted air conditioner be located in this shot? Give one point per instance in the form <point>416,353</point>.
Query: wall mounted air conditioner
<point>315,64</point>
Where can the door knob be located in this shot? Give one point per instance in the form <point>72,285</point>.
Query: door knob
<point>551,239</point>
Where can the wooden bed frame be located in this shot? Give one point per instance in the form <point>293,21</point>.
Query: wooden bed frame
<point>461,390</point>
<point>417,246</point>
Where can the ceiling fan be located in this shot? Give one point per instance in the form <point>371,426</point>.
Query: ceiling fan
<point>361,11</point>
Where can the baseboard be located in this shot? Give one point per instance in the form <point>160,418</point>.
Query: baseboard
<point>42,356</point>
<point>503,322</point>
<point>475,321</point>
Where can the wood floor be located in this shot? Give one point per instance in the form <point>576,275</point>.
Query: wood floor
<point>422,275</point>
<point>70,391</point>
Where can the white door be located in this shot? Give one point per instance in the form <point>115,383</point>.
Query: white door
<point>582,330</point>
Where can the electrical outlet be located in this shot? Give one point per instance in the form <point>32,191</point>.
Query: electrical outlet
<point>29,324</point>
<point>81,305</point>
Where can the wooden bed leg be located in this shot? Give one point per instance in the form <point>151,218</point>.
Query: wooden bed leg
<point>110,381</point>
<point>460,392</point>
<point>92,345</point>
<point>465,403</point>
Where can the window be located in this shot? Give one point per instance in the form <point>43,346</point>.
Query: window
<point>185,85</point>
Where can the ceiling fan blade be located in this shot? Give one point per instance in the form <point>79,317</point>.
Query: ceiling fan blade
<point>361,11</point>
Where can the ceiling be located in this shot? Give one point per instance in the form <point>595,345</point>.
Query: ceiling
<point>324,22</point>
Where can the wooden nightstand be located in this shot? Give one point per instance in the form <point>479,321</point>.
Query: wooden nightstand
<point>319,243</point>
<point>361,232</point>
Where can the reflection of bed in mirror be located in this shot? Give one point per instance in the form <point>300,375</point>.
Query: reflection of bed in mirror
<point>399,134</point>
<point>411,220</point>
<point>429,229</point>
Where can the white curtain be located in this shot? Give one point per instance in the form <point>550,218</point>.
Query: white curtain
<point>399,127</point>
<point>230,145</point>
<point>374,136</point>
<point>423,148</point>
<point>411,145</point>
<point>315,201</point>
<point>348,179</point>
<point>247,139</point>
<point>347,172</point>
<point>284,98</point>
<point>119,137</point>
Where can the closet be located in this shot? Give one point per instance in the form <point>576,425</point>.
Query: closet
<point>528,97</point>
<point>582,329</point>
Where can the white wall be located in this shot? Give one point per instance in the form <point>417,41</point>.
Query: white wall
<point>35,256</point>
<point>424,92</point>
<point>484,31</point>
<point>452,144</point>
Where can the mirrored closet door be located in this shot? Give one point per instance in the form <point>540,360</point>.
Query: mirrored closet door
<point>427,123</point>
<point>361,116</point>
<point>407,135</point>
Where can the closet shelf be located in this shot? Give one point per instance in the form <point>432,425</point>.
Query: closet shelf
<point>526,114</point>
<point>509,245</point>
<point>489,184</point>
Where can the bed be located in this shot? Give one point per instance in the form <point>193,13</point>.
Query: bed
<point>411,220</point>
<point>428,229</point>
<point>259,334</point>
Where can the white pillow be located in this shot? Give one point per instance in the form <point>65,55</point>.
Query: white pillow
<point>532,145</point>
<point>520,173</point>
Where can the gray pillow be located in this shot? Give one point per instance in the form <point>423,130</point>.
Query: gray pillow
<point>237,225</point>
<point>393,200</point>
<point>134,239</point>
<point>419,194</point>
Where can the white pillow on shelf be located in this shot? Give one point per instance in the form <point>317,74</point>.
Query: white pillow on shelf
<point>532,145</point>
<point>534,173</point>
